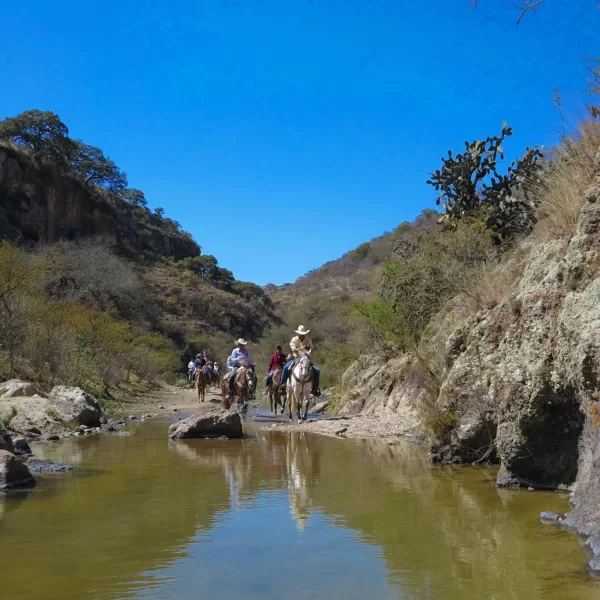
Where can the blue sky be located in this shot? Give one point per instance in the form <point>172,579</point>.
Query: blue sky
<point>283,133</point>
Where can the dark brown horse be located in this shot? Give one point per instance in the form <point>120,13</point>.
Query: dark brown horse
<point>245,381</point>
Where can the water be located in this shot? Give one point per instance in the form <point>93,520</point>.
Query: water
<point>278,516</point>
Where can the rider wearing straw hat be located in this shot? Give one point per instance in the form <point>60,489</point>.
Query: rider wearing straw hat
<point>238,357</point>
<point>302,341</point>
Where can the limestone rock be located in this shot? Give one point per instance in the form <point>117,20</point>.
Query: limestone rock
<point>13,473</point>
<point>213,424</point>
<point>15,388</point>
<point>321,407</point>
<point>77,406</point>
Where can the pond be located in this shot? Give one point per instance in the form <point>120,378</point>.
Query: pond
<point>278,516</point>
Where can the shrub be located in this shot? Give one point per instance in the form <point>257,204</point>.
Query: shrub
<point>7,419</point>
<point>414,289</point>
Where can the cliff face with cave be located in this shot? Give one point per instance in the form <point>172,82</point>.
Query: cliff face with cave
<point>37,206</point>
<point>521,380</point>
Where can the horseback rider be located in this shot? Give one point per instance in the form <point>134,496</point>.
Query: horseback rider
<point>302,342</point>
<point>277,361</point>
<point>239,357</point>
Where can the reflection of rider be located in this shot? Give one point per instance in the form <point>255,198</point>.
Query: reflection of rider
<point>277,361</point>
<point>238,357</point>
<point>302,342</point>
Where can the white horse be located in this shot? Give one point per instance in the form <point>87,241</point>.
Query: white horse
<point>299,386</point>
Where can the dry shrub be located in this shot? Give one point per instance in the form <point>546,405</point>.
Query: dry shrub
<point>559,194</point>
<point>488,286</point>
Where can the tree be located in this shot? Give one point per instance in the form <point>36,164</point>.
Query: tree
<point>470,185</point>
<point>159,212</point>
<point>90,163</point>
<point>134,196</point>
<point>43,132</point>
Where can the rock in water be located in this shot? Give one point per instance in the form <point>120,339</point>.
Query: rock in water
<point>47,467</point>
<point>13,473</point>
<point>15,387</point>
<point>77,405</point>
<point>549,518</point>
<point>321,407</point>
<point>22,447</point>
<point>6,442</point>
<point>213,424</point>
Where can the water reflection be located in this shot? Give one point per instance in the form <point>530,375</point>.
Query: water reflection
<point>279,516</point>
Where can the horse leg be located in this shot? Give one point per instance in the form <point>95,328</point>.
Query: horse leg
<point>305,408</point>
<point>291,398</point>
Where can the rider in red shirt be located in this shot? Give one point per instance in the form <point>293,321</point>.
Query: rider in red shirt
<point>277,361</point>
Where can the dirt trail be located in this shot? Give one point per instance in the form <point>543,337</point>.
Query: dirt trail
<point>173,400</point>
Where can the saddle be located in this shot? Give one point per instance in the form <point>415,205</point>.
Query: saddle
<point>240,372</point>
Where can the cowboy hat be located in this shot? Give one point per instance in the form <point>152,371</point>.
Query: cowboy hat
<point>301,330</point>
<point>242,342</point>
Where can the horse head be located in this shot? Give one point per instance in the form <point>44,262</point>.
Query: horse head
<point>305,364</point>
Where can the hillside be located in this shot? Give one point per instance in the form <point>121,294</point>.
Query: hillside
<point>353,275</point>
<point>126,293</point>
<point>334,300</point>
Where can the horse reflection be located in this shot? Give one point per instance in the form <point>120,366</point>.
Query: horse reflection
<point>270,462</point>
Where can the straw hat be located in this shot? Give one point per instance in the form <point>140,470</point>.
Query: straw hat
<point>301,330</point>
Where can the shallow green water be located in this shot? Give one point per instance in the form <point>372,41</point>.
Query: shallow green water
<point>278,516</point>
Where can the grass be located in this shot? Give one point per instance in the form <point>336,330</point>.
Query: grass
<point>559,194</point>
<point>6,420</point>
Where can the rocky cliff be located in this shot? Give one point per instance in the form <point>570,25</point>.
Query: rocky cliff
<point>38,206</point>
<point>521,381</point>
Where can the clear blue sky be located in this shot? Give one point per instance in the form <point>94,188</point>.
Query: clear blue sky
<point>282,133</point>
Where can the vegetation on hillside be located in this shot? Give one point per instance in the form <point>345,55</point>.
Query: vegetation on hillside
<point>61,321</point>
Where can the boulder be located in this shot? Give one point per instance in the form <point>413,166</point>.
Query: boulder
<point>212,424</point>
<point>22,447</point>
<point>6,442</point>
<point>15,387</point>
<point>14,473</point>
<point>321,407</point>
<point>77,406</point>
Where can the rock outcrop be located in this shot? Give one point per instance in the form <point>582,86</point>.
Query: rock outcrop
<point>38,206</point>
<point>378,387</point>
<point>213,424</point>
<point>13,473</point>
<point>521,380</point>
<point>15,387</point>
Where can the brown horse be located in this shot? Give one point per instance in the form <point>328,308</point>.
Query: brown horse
<point>275,395</point>
<point>201,384</point>
<point>242,388</point>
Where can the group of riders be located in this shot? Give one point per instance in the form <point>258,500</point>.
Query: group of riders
<point>240,358</point>
<point>202,362</point>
